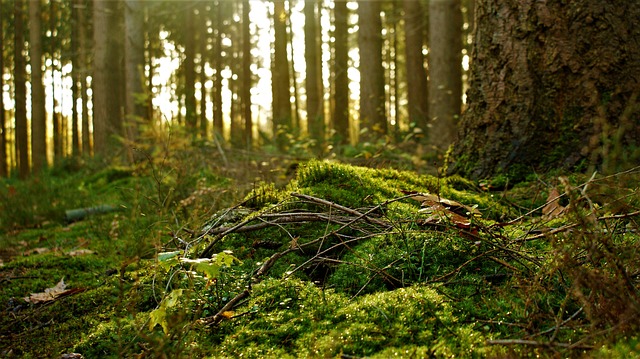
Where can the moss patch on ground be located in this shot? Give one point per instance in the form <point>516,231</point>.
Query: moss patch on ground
<point>338,261</point>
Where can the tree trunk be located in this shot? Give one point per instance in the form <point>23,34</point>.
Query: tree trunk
<point>218,123</point>
<point>83,70</point>
<point>4,170</point>
<point>340,78</point>
<point>75,80</point>
<point>135,109</point>
<point>553,85</point>
<point>189,68</point>
<point>246,75</point>
<point>445,72</point>
<point>280,81</point>
<point>414,30</point>
<point>373,123</point>
<point>38,117</point>
<point>21,134</point>
<point>315,111</point>
<point>107,119</point>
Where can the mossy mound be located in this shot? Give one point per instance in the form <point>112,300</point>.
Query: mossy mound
<point>341,261</point>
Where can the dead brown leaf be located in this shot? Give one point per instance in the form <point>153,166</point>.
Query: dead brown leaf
<point>80,252</point>
<point>553,209</point>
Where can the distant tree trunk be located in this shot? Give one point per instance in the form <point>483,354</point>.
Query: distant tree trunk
<point>75,80</point>
<point>340,67</point>
<point>107,119</point>
<point>202,47</point>
<point>445,71</point>
<point>4,170</point>
<point>246,75</point>
<point>38,116</point>
<point>218,123</point>
<point>135,109</point>
<point>21,134</point>
<point>553,85</point>
<point>315,110</point>
<point>83,70</point>
<point>280,81</point>
<point>373,123</point>
<point>189,67</point>
<point>56,117</point>
<point>414,31</point>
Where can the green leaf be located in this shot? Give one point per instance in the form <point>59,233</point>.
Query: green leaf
<point>159,315</point>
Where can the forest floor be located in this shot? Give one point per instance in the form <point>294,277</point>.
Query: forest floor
<point>202,253</point>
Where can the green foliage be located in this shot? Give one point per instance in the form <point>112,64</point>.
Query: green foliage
<point>420,287</point>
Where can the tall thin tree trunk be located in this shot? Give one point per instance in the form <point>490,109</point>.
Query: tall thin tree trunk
<point>107,77</point>
<point>340,68</point>
<point>4,171</point>
<point>58,133</point>
<point>315,110</point>
<point>21,136</point>
<point>414,30</point>
<point>281,78</point>
<point>135,110</point>
<point>203,38</point>
<point>218,123</point>
<point>75,81</point>
<point>246,75</point>
<point>83,70</point>
<point>38,116</point>
<point>189,68</point>
<point>445,71</point>
<point>373,123</point>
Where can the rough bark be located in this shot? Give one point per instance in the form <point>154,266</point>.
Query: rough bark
<point>553,85</point>
<point>21,135</point>
<point>445,72</point>
<point>373,123</point>
<point>315,111</point>
<point>340,78</point>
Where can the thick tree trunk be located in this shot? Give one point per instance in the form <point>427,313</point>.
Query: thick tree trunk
<point>553,85</point>
<point>340,78</point>
<point>373,123</point>
<point>445,71</point>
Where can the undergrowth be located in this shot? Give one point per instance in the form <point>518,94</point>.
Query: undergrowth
<point>316,259</point>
